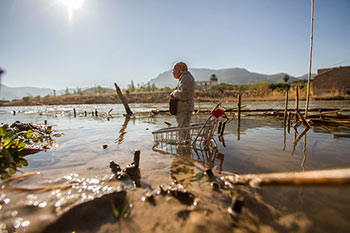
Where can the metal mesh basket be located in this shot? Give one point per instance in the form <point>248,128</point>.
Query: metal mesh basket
<point>196,133</point>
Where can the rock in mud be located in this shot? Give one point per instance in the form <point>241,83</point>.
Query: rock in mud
<point>90,216</point>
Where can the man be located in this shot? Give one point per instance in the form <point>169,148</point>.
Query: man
<point>184,93</point>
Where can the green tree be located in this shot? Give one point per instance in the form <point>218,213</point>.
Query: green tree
<point>132,86</point>
<point>66,91</point>
<point>79,91</point>
<point>285,78</point>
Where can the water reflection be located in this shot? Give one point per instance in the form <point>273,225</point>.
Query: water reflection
<point>238,130</point>
<point>304,153</point>
<point>296,141</point>
<point>122,132</point>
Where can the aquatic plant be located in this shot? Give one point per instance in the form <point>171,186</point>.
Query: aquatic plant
<point>10,145</point>
<point>19,140</point>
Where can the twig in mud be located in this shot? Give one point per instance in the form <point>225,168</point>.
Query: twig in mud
<point>19,177</point>
<point>43,189</point>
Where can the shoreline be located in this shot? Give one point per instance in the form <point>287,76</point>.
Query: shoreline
<point>160,97</point>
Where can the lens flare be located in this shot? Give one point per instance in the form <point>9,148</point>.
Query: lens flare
<point>72,5</point>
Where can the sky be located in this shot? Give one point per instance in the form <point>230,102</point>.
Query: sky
<point>84,43</point>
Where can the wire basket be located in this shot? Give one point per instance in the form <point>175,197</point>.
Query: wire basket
<point>196,133</point>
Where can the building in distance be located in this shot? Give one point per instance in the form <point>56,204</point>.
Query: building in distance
<point>334,81</point>
<point>212,82</point>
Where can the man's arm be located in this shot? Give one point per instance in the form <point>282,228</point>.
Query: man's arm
<point>185,89</point>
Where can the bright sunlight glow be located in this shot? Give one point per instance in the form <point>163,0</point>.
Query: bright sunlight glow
<point>72,5</point>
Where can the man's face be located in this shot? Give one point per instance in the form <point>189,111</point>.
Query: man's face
<point>176,72</point>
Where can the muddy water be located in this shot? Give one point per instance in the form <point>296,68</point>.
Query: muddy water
<point>253,146</point>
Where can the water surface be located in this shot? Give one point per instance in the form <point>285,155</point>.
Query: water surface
<point>251,146</point>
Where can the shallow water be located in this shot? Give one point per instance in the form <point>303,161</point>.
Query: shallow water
<point>253,146</point>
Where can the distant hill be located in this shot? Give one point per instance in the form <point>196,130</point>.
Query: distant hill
<point>165,79</point>
<point>10,93</point>
<point>229,76</point>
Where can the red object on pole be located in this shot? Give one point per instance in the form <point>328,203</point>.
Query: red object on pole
<point>218,113</point>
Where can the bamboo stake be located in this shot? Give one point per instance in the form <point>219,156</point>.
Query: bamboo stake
<point>239,107</point>
<point>199,105</point>
<point>310,61</point>
<point>297,97</point>
<point>296,101</point>
<point>122,98</point>
<point>316,177</point>
<point>285,109</point>
<point>302,118</point>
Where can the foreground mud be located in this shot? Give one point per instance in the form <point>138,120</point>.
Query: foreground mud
<point>195,201</point>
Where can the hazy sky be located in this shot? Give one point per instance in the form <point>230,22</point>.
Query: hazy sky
<point>107,41</point>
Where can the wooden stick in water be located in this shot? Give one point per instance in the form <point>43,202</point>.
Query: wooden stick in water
<point>122,98</point>
<point>302,118</point>
<point>239,107</point>
<point>285,109</point>
<point>316,177</point>
<point>296,101</point>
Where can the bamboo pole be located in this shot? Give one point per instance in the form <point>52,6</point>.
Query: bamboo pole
<point>239,107</point>
<point>316,177</point>
<point>296,101</point>
<point>302,118</point>
<point>122,98</point>
<point>310,60</point>
<point>297,97</point>
<point>199,105</point>
<point>285,109</point>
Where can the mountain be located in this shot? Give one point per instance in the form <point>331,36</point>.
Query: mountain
<point>229,76</point>
<point>165,79</point>
<point>10,93</point>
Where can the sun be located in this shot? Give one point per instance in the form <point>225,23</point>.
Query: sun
<point>72,5</point>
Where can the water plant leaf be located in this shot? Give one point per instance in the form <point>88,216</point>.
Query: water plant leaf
<point>23,162</point>
<point>7,142</point>
<point>21,145</point>
<point>12,170</point>
<point>9,134</point>
<point>2,132</point>
<point>4,127</point>
<point>30,134</point>
<point>114,209</point>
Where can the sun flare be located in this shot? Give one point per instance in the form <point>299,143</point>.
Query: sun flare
<point>72,5</point>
